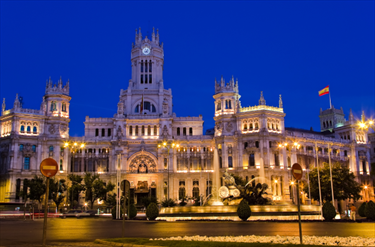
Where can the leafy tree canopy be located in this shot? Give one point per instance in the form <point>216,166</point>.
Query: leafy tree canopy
<point>37,189</point>
<point>56,190</point>
<point>344,185</point>
<point>96,188</point>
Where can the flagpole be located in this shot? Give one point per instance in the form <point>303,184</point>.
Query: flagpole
<point>330,103</point>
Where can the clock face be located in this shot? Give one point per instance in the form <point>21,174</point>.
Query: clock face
<point>146,50</point>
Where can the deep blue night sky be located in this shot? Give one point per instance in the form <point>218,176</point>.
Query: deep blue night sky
<point>293,48</point>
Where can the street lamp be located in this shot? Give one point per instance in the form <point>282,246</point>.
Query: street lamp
<point>168,145</point>
<point>365,125</point>
<point>73,147</point>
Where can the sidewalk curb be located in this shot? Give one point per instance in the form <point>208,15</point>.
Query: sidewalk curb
<point>99,241</point>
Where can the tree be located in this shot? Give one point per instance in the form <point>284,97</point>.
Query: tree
<point>370,210</point>
<point>152,211</point>
<point>243,210</point>
<point>329,211</point>
<point>96,188</point>
<point>344,185</point>
<point>56,190</point>
<point>76,188</point>
<point>37,189</point>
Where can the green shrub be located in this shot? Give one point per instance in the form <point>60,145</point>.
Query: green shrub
<point>168,203</point>
<point>114,212</point>
<point>132,211</point>
<point>361,210</point>
<point>152,211</point>
<point>370,210</point>
<point>147,201</point>
<point>329,211</point>
<point>243,210</point>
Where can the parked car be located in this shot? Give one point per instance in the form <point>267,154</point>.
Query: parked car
<point>71,213</point>
<point>88,213</point>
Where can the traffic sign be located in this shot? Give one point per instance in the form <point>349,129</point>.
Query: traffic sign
<point>297,171</point>
<point>49,167</point>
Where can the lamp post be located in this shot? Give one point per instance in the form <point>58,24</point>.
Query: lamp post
<point>73,147</point>
<point>168,145</point>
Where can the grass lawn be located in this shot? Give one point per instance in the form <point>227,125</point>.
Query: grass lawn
<point>146,241</point>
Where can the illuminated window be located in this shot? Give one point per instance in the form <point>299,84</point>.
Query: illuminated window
<point>196,193</point>
<point>28,129</point>
<point>218,107</point>
<point>63,107</point>
<point>22,129</point>
<point>35,129</point>
<point>181,193</point>
<point>155,130</point>
<point>230,161</point>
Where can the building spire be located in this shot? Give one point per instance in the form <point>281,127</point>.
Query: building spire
<point>262,101</point>
<point>363,118</point>
<point>280,102</point>
<point>16,102</point>
<point>3,107</point>
<point>351,117</point>
<point>153,35</point>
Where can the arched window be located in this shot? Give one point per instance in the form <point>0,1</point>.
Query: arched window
<point>22,129</point>
<point>196,193</point>
<point>147,106</point>
<point>251,159</point>
<point>28,129</point>
<point>181,193</point>
<point>26,163</point>
<point>273,126</point>
<point>155,130</point>
<point>51,148</point>
<point>178,131</point>
<point>21,147</point>
<point>136,109</point>
<point>324,124</point>
<point>63,107</point>
<point>35,129</point>
<point>245,127</point>
<point>53,106</point>
<point>153,107</point>
<point>256,126</point>
<point>34,148</point>
<point>251,126</point>
<point>289,162</point>
<point>218,106</point>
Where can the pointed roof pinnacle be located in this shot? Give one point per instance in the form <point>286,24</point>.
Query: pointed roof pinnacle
<point>280,102</point>
<point>262,101</point>
<point>351,117</point>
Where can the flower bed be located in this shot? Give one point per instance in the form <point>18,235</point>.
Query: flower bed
<point>312,240</point>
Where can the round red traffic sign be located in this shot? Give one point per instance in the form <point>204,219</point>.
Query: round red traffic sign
<point>49,167</point>
<point>297,171</point>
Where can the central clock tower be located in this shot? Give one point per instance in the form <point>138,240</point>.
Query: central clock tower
<point>147,59</point>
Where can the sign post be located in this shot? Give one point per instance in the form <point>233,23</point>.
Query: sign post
<point>125,187</point>
<point>297,174</point>
<point>48,168</point>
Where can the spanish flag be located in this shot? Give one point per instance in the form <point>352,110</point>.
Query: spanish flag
<point>324,91</point>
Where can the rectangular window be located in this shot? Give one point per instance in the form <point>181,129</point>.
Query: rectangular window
<point>178,131</point>
<point>136,130</point>
<point>103,132</point>
<point>230,161</point>
<point>142,66</point>
<point>184,131</point>
<point>251,160</point>
<point>147,105</point>
<point>96,132</point>
<point>150,79</point>
<point>130,130</point>
<point>277,162</point>
<point>155,130</point>
<point>26,165</point>
<point>145,79</point>
<point>150,66</point>
<point>146,67</point>
<point>165,163</point>
<point>109,132</point>
<point>364,166</point>
<point>190,131</point>
<point>141,79</point>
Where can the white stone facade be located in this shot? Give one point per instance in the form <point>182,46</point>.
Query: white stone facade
<point>252,141</point>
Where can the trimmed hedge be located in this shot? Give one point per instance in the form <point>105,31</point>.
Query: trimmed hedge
<point>133,211</point>
<point>361,210</point>
<point>152,211</point>
<point>243,210</point>
<point>329,211</point>
<point>370,210</point>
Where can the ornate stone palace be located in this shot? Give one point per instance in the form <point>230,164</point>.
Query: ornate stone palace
<point>164,155</point>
